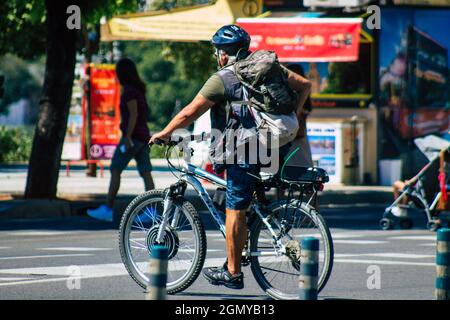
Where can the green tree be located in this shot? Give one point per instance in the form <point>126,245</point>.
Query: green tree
<point>21,82</point>
<point>345,77</point>
<point>174,72</point>
<point>30,28</point>
<point>15,144</point>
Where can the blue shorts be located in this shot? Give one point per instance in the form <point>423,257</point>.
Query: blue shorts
<point>140,152</point>
<point>240,185</point>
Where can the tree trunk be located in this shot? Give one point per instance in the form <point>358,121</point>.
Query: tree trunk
<point>54,105</point>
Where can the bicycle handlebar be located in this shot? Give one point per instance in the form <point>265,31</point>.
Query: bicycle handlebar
<point>178,139</point>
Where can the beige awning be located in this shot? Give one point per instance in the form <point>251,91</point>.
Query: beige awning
<point>184,24</point>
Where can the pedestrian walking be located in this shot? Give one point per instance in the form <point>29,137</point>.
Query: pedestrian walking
<point>135,135</point>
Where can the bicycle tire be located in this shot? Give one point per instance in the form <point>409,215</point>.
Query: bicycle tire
<point>189,210</point>
<point>325,233</point>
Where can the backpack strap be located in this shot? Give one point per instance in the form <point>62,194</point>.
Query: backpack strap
<point>234,90</point>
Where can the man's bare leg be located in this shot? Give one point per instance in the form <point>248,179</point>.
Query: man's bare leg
<point>236,229</point>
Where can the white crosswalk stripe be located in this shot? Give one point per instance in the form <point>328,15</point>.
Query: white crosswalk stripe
<point>359,241</point>
<point>344,254</point>
<point>413,238</point>
<point>75,249</point>
<point>46,256</point>
<point>401,255</point>
<point>37,233</point>
<point>91,271</point>
<point>385,255</point>
<point>61,273</point>
<point>13,279</point>
<point>385,262</point>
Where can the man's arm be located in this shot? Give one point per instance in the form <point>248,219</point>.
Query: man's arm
<point>185,117</point>
<point>302,86</point>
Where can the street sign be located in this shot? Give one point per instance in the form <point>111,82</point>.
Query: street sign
<point>305,39</point>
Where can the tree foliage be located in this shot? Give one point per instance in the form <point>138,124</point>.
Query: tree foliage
<point>23,27</point>
<point>22,22</point>
<point>173,72</point>
<point>28,28</point>
<point>15,144</point>
<point>24,80</point>
<point>170,4</point>
<point>345,77</point>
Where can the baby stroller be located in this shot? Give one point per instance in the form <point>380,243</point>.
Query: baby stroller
<point>435,149</point>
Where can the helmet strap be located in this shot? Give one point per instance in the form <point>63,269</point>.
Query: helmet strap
<point>219,53</point>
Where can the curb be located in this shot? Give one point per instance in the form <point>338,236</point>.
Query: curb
<point>157,165</point>
<point>14,207</point>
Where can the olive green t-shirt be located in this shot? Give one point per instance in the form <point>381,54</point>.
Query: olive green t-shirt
<point>213,89</point>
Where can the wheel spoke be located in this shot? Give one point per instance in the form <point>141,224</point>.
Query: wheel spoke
<point>182,239</point>
<point>277,273</point>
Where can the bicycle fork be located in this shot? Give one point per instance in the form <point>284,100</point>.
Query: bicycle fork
<point>168,205</point>
<point>168,202</point>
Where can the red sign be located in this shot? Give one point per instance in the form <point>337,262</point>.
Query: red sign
<point>305,39</point>
<point>104,111</point>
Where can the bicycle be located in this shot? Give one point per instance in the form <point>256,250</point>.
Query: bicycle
<point>275,229</point>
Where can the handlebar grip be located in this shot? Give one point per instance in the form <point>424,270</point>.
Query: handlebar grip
<point>177,139</point>
<point>158,142</point>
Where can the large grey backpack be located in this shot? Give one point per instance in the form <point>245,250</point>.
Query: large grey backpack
<point>268,89</point>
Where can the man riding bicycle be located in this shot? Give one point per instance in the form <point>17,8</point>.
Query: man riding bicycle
<point>231,44</point>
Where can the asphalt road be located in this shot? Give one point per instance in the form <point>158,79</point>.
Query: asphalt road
<point>37,258</point>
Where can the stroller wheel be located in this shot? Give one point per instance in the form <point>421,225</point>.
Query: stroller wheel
<point>434,225</point>
<point>386,224</point>
<point>406,223</point>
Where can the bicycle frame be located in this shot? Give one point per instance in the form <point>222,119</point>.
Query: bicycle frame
<point>190,175</point>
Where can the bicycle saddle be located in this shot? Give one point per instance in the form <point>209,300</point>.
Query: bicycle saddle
<point>304,174</point>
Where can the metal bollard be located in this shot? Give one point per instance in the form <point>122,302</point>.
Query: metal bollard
<point>156,288</point>
<point>443,265</point>
<point>309,269</point>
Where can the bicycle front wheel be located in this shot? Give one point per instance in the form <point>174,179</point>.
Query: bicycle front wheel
<point>277,268</point>
<point>184,237</point>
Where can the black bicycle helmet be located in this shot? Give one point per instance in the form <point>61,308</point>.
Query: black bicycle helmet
<point>231,38</point>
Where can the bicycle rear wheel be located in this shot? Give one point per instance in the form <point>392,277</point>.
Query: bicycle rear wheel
<point>185,239</point>
<point>277,274</point>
